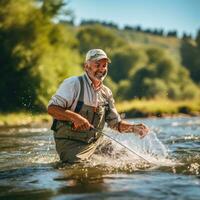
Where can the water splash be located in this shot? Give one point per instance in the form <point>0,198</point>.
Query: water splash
<point>113,155</point>
<point>153,146</point>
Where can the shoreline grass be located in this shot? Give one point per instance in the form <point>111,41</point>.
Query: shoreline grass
<point>23,118</point>
<point>160,106</point>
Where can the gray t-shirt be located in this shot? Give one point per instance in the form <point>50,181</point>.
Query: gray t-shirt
<point>68,93</point>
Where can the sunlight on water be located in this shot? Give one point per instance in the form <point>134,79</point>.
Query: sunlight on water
<point>44,159</point>
<point>37,147</point>
<point>29,164</point>
<point>45,153</point>
<point>109,154</point>
<point>33,130</point>
<point>150,149</point>
<point>114,156</point>
<point>187,123</point>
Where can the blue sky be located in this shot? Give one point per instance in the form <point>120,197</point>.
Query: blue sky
<point>180,15</point>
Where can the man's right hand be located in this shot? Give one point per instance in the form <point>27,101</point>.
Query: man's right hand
<point>81,124</point>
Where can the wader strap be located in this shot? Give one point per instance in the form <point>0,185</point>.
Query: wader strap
<point>81,95</point>
<point>54,125</point>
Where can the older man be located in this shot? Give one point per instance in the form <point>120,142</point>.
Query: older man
<point>80,108</point>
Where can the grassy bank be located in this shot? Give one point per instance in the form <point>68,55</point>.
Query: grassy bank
<point>134,108</point>
<point>158,107</point>
<point>23,118</point>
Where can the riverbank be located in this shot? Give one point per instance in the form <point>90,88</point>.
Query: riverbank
<point>127,109</point>
<point>158,108</point>
<point>24,119</point>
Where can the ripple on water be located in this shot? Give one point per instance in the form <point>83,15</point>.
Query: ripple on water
<point>29,165</point>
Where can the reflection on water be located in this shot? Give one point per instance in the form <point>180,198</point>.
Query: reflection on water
<point>30,168</point>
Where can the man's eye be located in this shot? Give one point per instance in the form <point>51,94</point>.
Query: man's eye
<point>97,65</point>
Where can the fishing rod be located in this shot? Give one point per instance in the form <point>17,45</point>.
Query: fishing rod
<point>131,150</point>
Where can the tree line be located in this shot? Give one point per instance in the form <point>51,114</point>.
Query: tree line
<point>37,53</point>
<point>159,32</point>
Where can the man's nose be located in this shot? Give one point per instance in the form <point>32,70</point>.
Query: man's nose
<point>102,68</point>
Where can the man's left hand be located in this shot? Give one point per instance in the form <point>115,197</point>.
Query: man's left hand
<point>141,129</point>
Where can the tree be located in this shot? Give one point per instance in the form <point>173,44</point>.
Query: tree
<point>172,34</point>
<point>98,36</point>
<point>97,22</point>
<point>55,8</point>
<point>125,61</point>
<point>162,76</point>
<point>137,87</point>
<point>190,57</point>
<point>154,55</point>
<point>33,51</point>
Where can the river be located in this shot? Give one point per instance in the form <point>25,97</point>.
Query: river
<point>30,168</point>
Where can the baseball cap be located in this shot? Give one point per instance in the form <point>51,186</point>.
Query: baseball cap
<point>96,54</point>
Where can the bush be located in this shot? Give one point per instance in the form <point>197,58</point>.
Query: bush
<point>174,91</point>
<point>125,61</point>
<point>36,55</point>
<point>137,87</point>
<point>123,89</point>
<point>111,84</point>
<point>98,36</point>
<point>154,88</point>
<point>154,55</point>
<point>190,91</point>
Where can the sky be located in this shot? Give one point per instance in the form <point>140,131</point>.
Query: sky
<point>179,15</point>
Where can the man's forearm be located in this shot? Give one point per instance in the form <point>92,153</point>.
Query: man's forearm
<point>79,122</point>
<point>124,126</point>
<point>141,129</point>
<point>61,114</point>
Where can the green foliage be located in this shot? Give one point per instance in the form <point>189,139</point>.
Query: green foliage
<point>37,54</point>
<point>154,88</point>
<point>104,23</point>
<point>122,90</point>
<point>125,61</point>
<point>138,88</point>
<point>98,36</point>
<point>190,57</point>
<point>166,69</point>
<point>174,91</point>
<point>51,7</point>
<point>154,55</point>
<point>164,77</point>
<point>111,84</point>
<point>55,8</point>
<point>190,91</point>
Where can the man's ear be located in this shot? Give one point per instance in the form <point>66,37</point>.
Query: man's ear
<point>85,66</point>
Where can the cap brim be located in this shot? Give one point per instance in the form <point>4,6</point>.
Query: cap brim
<point>103,57</point>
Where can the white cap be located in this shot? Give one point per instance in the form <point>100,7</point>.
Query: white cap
<point>96,54</point>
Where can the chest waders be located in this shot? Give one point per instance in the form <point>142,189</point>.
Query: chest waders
<point>96,117</point>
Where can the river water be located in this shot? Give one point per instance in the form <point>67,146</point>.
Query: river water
<point>30,168</point>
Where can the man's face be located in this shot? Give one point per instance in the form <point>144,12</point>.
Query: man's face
<point>97,70</point>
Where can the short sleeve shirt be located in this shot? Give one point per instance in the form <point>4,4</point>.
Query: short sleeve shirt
<point>68,93</point>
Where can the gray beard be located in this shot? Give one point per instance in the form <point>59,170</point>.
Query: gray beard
<point>101,77</point>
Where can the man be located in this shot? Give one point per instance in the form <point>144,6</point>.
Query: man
<point>80,108</point>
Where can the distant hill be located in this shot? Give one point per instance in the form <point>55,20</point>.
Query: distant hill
<point>38,53</point>
<point>136,38</point>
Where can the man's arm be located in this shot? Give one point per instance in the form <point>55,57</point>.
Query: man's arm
<point>64,98</point>
<point>59,113</point>
<point>140,129</point>
<point>114,121</point>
